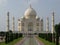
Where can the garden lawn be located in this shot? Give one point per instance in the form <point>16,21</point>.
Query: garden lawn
<point>46,42</point>
<point>12,43</point>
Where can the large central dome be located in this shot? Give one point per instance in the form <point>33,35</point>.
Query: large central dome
<point>30,12</point>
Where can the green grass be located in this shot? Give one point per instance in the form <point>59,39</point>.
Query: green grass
<point>11,43</point>
<point>46,42</point>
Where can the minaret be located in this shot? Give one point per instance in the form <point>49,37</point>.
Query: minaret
<point>53,22</point>
<point>41,24</point>
<point>13,24</point>
<point>7,22</point>
<point>47,24</point>
<point>19,25</point>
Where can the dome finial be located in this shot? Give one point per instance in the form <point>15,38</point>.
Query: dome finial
<point>30,6</point>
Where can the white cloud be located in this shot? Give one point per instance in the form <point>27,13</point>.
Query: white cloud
<point>3,2</point>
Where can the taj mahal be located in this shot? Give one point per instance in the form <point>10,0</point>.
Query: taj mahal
<point>31,22</point>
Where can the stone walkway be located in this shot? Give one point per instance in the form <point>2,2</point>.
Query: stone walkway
<point>21,41</point>
<point>39,42</point>
<point>29,41</point>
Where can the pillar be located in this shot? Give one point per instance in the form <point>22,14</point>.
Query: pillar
<point>7,22</point>
<point>53,22</point>
<point>47,24</point>
<point>13,24</point>
<point>19,25</point>
<point>41,24</point>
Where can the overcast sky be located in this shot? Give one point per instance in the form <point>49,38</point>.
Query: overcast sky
<point>44,8</point>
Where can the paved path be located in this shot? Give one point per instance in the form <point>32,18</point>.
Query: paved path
<point>29,41</point>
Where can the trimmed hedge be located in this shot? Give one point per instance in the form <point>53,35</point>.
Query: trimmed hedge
<point>12,36</point>
<point>47,36</point>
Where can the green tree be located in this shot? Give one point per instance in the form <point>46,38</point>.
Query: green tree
<point>57,29</point>
<point>9,36</point>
